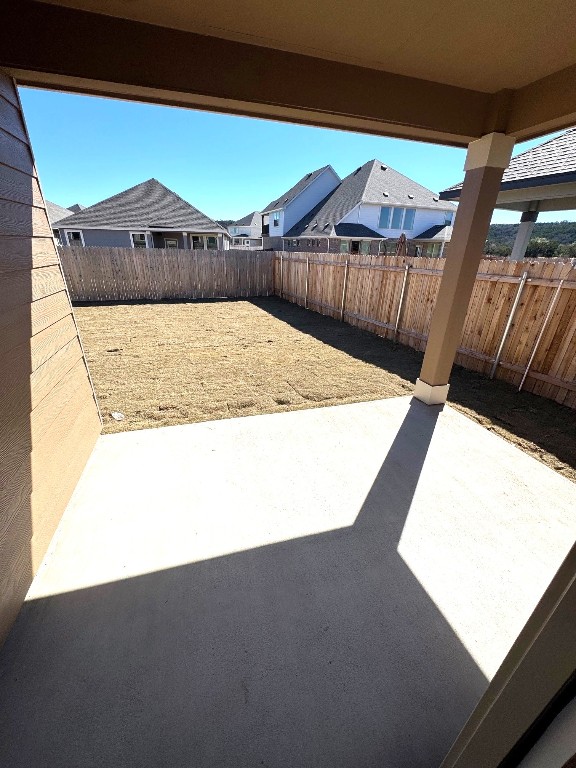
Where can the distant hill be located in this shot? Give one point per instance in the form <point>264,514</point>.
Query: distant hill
<point>557,238</point>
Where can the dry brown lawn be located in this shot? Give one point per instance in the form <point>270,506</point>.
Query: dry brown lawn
<point>173,363</point>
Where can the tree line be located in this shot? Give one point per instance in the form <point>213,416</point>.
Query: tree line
<point>557,238</point>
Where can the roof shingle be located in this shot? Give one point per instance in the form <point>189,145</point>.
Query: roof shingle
<point>149,205</point>
<point>373,182</point>
<point>552,162</point>
<point>294,191</point>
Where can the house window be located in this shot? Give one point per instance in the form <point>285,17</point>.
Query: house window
<point>355,246</point>
<point>75,238</point>
<point>276,219</point>
<point>237,241</point>
<point>365,246</point>
<point>384,222</point>
<point>197,242</point>
<point>409,218</point>
<point>343,246</point>
<point>448,218</point>
<point>247,243</point>
<point>170,242</point>
<point>233,230</point>
<point>211,243</point>
<point>138,240</point>
<point>56,235</point>
<point>397,217</point>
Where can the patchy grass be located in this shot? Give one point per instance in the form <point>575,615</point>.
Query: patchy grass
<point>172,363</point>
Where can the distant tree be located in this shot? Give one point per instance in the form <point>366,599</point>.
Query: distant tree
<point>492,248</point>
<point>567,251</point>
<point>541,246</point>
<point>225,222</point>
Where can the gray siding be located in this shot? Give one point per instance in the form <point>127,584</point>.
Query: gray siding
<point>104,237</point>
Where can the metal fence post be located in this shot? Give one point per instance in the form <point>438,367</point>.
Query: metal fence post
<point>508,323</point>
<point>344,286</point>
<point>551,309</point>
<point>401,301</point>
<point>307,280</point>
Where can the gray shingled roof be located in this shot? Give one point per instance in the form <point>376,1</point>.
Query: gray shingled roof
<point>284,199</point>
<point>56,213</point>
<point>373,182</point>
<point>552,162</point>
<point>149,205</point>
<point>355,230</point>
<point>247,221</point>
<point>437,232</point>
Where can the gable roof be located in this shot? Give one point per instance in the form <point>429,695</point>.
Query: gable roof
<point>552,162</point>
<point>373,182</point>
<point>249,220</point>
<point>294,191</point>
<point>76,207</point>
<point>149,205</point>
<point>56,213</point>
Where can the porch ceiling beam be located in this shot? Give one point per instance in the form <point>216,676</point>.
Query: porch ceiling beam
<point>57,47</point>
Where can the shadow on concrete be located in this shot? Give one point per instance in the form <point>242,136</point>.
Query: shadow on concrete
<point>538,420</point>
<point>320,651</point>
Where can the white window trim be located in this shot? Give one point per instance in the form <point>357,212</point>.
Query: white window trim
<point>171,240</point>
<point>74,230</point>
<point>139,232</point>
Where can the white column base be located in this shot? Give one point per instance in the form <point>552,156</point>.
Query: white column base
<point>430,395</point>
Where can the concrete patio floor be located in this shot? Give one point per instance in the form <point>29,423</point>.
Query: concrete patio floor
<point>330,587</point>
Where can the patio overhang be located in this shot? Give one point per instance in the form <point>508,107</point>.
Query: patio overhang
<point>415,92</point>
<point>327,65</point>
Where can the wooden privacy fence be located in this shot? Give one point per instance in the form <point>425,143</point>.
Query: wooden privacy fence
<point>119,274</point>
<point>520,326</point>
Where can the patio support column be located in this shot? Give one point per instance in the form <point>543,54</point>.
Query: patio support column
<point>486,160</point>
<point>527,221</point>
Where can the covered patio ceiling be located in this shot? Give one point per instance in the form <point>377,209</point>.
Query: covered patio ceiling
<point>399,69</point>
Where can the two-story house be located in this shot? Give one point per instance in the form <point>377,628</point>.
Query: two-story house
<point>246,233</point>
<point>280,215</point>
<point>368,211</point>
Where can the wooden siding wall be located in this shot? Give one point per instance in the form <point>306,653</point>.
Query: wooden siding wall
<point>368,294</point>
<point>49,419</point>
<point>121,274</point>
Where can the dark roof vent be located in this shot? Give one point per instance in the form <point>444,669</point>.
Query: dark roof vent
<point>308,176</point>
<point>326,226</point>
<point>411,197</point>
<point>435,199</point>
<point>357,170</point>
<point>383,167</point>
<point>385,194</point>
<point>285,201</point>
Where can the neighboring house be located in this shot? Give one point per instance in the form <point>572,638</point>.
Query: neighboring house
<point>57,213</point>
<point>247,231</point>
<point>148,215</point>
<point>368,211</point>
<point>285,211</point>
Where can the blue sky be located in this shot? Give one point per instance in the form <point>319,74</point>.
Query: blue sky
<point>89,148</point>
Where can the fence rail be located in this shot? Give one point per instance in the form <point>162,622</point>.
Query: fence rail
<point>520,326</point>
<point>119,274</point>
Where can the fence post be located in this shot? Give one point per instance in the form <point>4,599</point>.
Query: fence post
<point>508,323</point>
<point>281,275</point>
<point>551,309</point>
<point>307,280</point>
<point>401,301</point>
<point>344,287</point>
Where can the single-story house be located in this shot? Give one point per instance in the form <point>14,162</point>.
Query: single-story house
<point>148,215</point>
